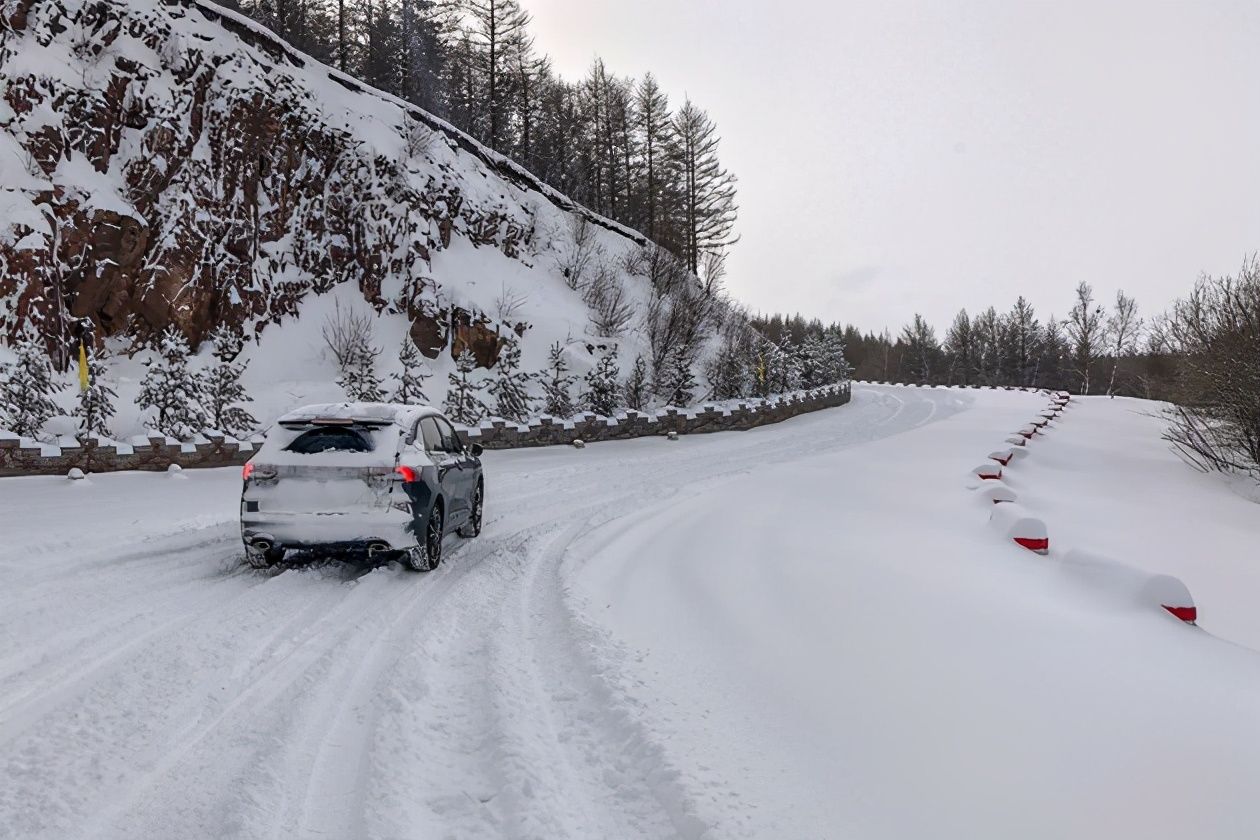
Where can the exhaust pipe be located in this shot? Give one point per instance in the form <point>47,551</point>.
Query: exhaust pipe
<point>261,545</point>
<point>375,548</point>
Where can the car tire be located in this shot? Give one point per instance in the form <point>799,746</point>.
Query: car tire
<point>427,555</point>
<point>472,527</point>
<point>264,559</point>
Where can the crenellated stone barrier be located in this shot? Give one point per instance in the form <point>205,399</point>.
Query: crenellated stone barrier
<point>157,453</point>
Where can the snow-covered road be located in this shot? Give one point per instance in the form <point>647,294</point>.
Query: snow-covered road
<point>799,631</point>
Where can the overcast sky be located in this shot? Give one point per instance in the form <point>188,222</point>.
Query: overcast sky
<point>896,157</point>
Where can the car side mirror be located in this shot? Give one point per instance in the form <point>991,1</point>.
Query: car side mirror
<point>476,449</point>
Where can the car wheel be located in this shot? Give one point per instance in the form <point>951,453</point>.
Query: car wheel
<point>264,559</point>
<point>426,556</point>
<point>472,527</point>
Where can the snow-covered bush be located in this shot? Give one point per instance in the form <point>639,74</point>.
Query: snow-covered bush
<point>1215,332</point>
<point>580,249</point>
<point>611,306</point>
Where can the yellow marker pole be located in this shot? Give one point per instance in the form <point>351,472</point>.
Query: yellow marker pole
<point>83,367</point>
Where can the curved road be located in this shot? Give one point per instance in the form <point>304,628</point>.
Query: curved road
<point>649,640</point>
<point>158,689</point>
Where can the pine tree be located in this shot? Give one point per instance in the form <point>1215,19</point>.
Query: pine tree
<point>960,349</point>
<point>1055,355</point>
<point>708,194</point>
<point>173,389</point>
<point>510,386</point>
<point>921,351</point>
<point>358,377</point>
<point>655,137</point>
<point>813,361</point>
<point>222,388</point>
<point>783,368</point>
<point>990,359</point>
<point>497,37</point>
<point>601,394</point>
<point>729,371</point>
<point>26,396</point>
<point>557,384</point>
<point>410,388</point>
<point>635,390</point>
<point>463,401</point>
<point>96,402</point>
<point>1021,335</point>
<point>835,365</point>
<point>675,381</point>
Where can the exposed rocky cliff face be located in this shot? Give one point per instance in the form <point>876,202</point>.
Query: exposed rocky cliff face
<point>171,163</point>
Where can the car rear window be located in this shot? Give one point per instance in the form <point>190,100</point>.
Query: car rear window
<point>330,440</point>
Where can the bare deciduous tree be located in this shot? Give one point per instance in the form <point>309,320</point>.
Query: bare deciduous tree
<point>1216,333</point>
<point>582,249</point>
<point>509,302</point>
<point>713,270</point>
<point>1123,328</point>
<point>610,304</point>
<point>346,332</point>
<point>1085,329</point>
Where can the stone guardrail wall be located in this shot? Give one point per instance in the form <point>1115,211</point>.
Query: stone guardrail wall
<point>21,457</point>
<point>547,431</point>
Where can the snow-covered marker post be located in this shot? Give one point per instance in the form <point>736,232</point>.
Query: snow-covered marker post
<point>987,472</point>
<point>1003,456</point>
<point>1171,594</point>
<point>1023,529</point>
<point>997,493</point>
<point>1132,585</point>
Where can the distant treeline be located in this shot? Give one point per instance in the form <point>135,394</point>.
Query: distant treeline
<point>1202,355</point>
<point>610,142</point>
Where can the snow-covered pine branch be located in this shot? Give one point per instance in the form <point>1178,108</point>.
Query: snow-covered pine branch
<point>510,385</point>
<point>26,394</point>
<point>409,387</point>
<point>463,396</point>
<point>95,406</point>
<point>172,389</point>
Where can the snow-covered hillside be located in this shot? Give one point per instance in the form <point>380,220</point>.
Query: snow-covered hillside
<point>173,163</point>
<point>804,630</point>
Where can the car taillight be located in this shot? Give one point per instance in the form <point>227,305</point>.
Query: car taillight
<point>408,474</point>
<point>247,471</point>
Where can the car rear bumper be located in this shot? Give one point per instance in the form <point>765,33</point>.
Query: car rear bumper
<point>392,529</point>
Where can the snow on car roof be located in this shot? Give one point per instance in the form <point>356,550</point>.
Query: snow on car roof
<point>403,415</point>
